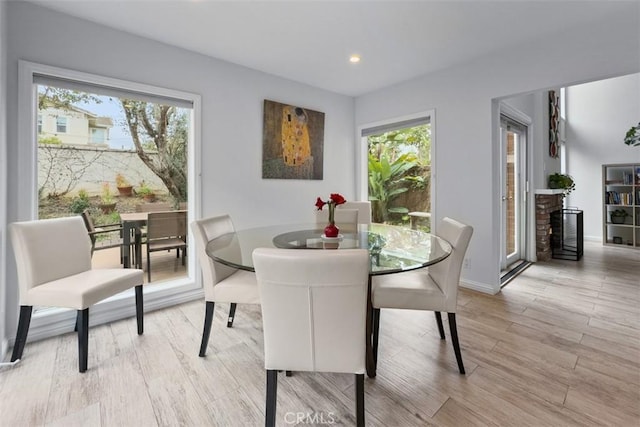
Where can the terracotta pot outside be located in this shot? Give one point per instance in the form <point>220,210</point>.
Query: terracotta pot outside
<point>126,191</point>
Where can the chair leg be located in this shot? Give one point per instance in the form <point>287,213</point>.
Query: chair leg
<point>360,400</point>
<point>138,248</point>
<point>83,339</point>
<point>148,266</point>
<point>272,398</point>
<point>75,329</point>
<point>232,314</point>
<point>21,333</point>
<point>454,338</point>
<point>439,321</point>
<point>376,333</point>
<point>208,317</point>
<point>139,310</point>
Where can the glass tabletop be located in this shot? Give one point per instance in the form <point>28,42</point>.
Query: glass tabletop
<point>391,248</point>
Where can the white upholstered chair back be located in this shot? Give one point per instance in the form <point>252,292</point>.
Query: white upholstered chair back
<point>346,219</point>
<point>205,230</point>
<point>446,273</point>
<point>313,308</point>
<point>364,210</point>
<point>48,250</point>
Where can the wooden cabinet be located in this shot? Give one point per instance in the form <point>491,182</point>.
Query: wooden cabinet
<point>621,205</point>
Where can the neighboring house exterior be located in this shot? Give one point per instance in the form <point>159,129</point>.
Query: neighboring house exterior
<point>74,126</point>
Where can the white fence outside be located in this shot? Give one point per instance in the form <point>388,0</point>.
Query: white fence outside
<point>67,168</point>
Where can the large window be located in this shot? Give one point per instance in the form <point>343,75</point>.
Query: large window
<point>84,135</point>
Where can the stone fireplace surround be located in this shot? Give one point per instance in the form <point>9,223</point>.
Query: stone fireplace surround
<point>547,201</point>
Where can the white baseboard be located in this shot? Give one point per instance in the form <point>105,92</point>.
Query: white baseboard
<point>4,346</point>
<point>478,286</point>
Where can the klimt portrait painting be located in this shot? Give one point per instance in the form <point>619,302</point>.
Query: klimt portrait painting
<point>292,142</point>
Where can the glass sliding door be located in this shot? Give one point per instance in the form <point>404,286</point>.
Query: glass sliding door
<point>514,196</point>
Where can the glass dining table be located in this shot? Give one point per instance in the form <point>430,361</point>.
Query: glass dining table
<point>392,249</point>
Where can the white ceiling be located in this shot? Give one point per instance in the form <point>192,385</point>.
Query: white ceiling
<point>310,41</point>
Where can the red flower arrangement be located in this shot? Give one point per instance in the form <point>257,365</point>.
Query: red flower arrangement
<point>334,199</point>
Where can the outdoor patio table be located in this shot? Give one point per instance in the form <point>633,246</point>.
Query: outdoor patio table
<point>131,226</point>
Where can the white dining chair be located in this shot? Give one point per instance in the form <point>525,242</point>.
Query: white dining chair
<point>314,306</point>
<point>53,259</point>
<point>363,207</point>
<point>221,283</point>
<point>434,288</point>
<point>346,219</point>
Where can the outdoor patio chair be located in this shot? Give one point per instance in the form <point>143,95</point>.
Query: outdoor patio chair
<point>106,229</point>
<point>166,231</point>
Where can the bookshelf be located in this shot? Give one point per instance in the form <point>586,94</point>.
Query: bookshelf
<point>621,193</point>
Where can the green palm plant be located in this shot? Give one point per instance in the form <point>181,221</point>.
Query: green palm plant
<point>386,183</point>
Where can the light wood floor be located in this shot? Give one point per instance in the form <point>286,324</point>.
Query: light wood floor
<point>559,346</point>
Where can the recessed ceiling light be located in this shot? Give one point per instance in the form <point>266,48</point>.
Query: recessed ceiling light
<point>354,59</point>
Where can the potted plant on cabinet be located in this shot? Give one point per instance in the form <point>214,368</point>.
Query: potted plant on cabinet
<point>108,203</point>
<point>123,185</point>
<point>632,137</point>
<point>146,192</point>
<point>618,216</point>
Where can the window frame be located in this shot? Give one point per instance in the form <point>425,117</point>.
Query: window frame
<point>56,321</point>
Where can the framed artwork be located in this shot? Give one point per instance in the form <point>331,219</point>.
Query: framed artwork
<point>554,123</point>
<point>292,142</point>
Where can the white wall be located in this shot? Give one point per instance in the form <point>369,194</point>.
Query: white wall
<point>463,97</point>
<point>232,100</point>
<point>598,116</point>
<point>3,175</point>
